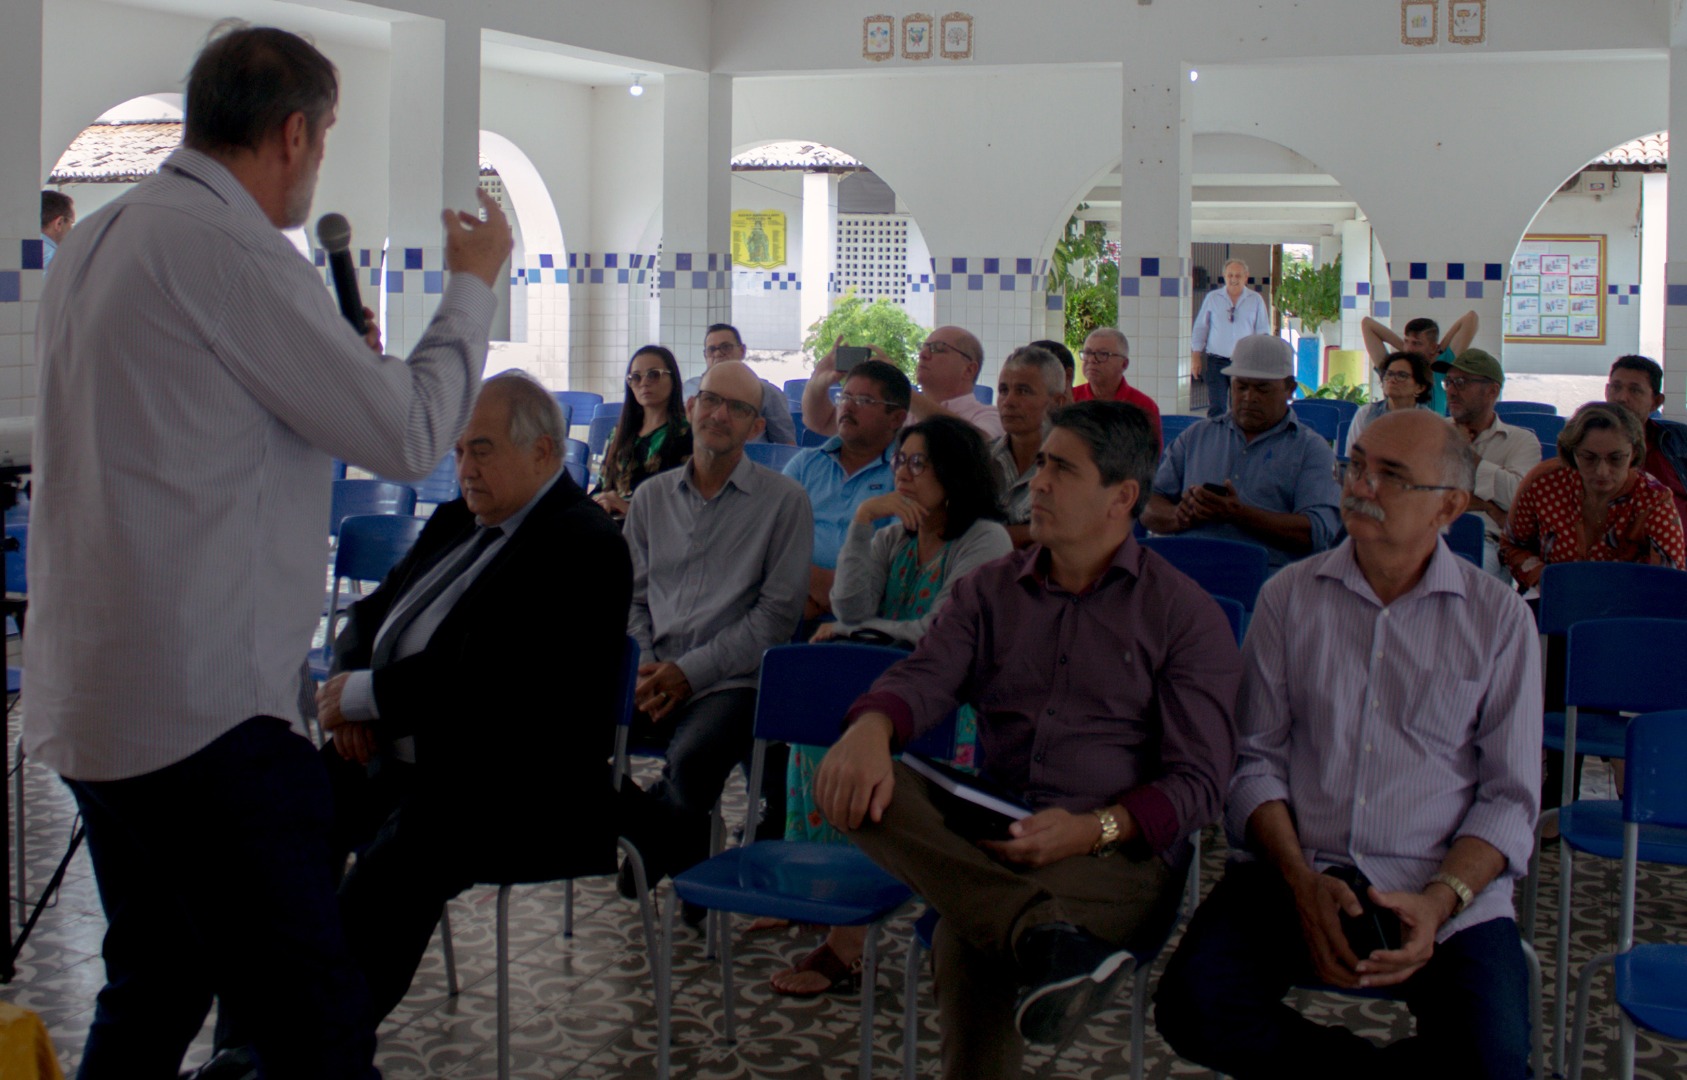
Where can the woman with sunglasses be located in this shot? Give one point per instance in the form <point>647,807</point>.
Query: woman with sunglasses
<point>1406,384</point>
<point>946,520</point>
<point>653,435</point>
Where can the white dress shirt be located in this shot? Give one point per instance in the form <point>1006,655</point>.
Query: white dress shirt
<point>1216,333</point>
<point>195,379</point>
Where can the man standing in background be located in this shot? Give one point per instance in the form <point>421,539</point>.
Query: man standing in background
<point>1227,316</point>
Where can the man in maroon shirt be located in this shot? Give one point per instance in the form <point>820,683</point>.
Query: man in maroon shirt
<point>1104,682</point>
<point>1106,354</point>
<point>1637,384</point>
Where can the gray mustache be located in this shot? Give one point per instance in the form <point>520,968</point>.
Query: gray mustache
<point>1364,506</point>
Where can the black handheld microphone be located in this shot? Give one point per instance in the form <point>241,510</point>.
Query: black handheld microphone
<point>333,232</point>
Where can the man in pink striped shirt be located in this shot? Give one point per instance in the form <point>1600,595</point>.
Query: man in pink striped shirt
<point>1388,771</point>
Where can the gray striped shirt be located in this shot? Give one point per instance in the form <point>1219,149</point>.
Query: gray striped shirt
<point>195,378</point>
<point>1393,731</point>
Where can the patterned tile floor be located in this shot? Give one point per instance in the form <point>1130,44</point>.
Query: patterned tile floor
<point>583,1004</point>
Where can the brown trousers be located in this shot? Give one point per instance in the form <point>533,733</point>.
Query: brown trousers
<point>986,904</point>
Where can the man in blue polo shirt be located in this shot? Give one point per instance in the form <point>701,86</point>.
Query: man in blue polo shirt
<point>850,468</point>
<point>1255,473</point>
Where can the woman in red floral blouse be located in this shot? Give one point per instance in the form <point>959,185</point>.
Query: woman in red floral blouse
<point>1593,503</point>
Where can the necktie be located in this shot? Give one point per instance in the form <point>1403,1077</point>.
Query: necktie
<point>414,603</point>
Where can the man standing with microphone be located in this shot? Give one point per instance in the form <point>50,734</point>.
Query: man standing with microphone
<point>195,378</point>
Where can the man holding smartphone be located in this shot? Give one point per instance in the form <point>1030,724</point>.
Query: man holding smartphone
<point>1385,794</point>
<point>950,359</point>
<point>1255,473</point>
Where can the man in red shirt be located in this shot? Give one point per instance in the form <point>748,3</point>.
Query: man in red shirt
<point>1106,354</point>
<point>1637,384</point>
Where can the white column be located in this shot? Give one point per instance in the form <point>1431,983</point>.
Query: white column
<point>696,212</point>
<point>819,225</point>
<point>22,170</point>
<point>1654,258</point>
<point>1355,281</point>
<point>1154,221</point>
<point>433,162</point>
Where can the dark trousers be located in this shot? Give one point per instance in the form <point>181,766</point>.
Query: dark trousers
<point>1213,376</point>
<point>986,904</point>
<point>1220,1002</point>
<point>702,742</point>
<point>215,877</point>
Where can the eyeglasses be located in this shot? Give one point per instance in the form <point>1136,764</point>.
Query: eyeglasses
<point>939,348</point>
<point>1101,357</point>
<point>653,375</point>
<point>722,350</point>
<point>861,399</point>
<point>1400,376</point>
<point>709,401</point>
<point>1232,312</point>
<point>1459,382</point>
<point>1375,480</point>
<point>915,463</point>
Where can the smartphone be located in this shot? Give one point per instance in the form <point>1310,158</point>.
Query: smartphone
<point>850,355</point>
<point>1373,929</point>
<point>1217,489</point>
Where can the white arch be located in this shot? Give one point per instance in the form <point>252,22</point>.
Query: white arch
<point>540,227</point>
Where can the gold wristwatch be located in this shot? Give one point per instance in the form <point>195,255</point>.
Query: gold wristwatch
<point>1109,819</point>
<point>1460,890</point>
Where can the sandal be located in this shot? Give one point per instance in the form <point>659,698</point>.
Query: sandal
<point>827,964</point>
<point>766,924</point>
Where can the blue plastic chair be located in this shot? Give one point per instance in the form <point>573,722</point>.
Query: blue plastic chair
<point>1344,432</point>
<point>575,450</point>
<point>1650,981</point>
<point>772,455</point>
<point>16,583</point>
<point>1232,568</point>
<point>807,438</point>
<point>793,392</point>
<point>984,393</point>
<point>1174,424</point>
<point>599,434</point>
<point>439,486</point>
<point>354,498</point>
<point>1507,409</point>
<point>582,403</point>
<point>1233,611</point>
<point>1347,409</point>
<point>1320,417</point>
<point>339,469</point>
<point>1601,675</point>
<point>567,410</point>
<point>577,473</point>
<point>802,697</point>
<point>1464,536</point>
<point>608,408</point>
<point>370,545</point>
<point>1546,427</point>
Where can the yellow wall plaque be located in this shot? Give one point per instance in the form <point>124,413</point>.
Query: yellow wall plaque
<point>758,238</point>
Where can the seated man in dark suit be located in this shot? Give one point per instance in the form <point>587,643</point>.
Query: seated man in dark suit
<point>473,713</point>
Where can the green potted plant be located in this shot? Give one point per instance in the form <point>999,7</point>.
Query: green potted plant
<point>883,323</point>
<point>1311,294</point>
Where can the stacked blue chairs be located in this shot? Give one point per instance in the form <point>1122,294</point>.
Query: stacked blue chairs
<point>1464,536</point>
<point>581,403</point>
<point>1174,424</point>
<point>1320,416</point>
<point>601,431</point>
<point>1233,568</point>
<point>1650,822</point>
<point>354,498</point>
<point>370,545</point>
<point>802,696</point>
<point>439,486</point>
<point>1505,410</point>
<point>567,410</point>
<point>773,455</point>
<point>1546,427</point>
<point>1602,675</point>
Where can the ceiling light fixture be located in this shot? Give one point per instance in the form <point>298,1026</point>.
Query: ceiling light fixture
<point>637,89</point>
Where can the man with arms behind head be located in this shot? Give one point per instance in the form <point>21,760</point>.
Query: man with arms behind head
<point>179,328</point>
<point>720,568</point>
<point>1504,454</point>
<point>1422,337</point>
<point>722,342</point>
<point>850,468</point>
<point>1388,760</point>
<point>949,363</point>
<point>1637,384</point>
<point>1255,474</point>
<point>443,708</point>
<point>1121,760</point>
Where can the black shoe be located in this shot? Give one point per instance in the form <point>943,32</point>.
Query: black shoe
<point>236,1064</point>
<point>1067,973</point>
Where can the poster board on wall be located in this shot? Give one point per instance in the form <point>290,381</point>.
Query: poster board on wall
<point>1556,292</point>
<point>758,239</point>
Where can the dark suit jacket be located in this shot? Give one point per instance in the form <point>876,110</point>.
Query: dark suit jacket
<point>513,703</point>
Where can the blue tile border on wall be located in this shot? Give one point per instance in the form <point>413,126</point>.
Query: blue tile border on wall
<point>982,273</point>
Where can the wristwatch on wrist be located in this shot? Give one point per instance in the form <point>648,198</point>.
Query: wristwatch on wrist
<point>1460,890</point>
<point>1109,831</point>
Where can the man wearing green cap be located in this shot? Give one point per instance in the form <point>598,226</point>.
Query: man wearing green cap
<point>1504,453</point>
